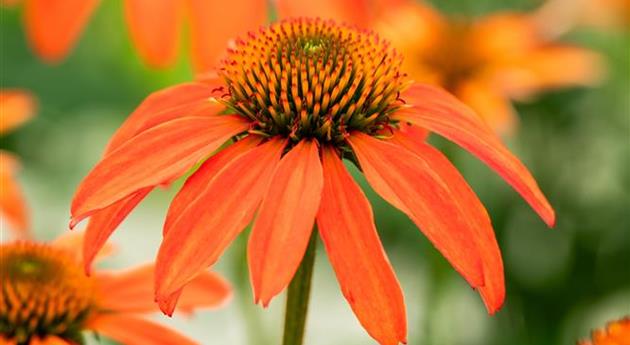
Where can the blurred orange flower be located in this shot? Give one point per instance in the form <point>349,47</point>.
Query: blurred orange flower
<point>16,107</point>
<point>486,62</point>
<point>615,333</point>
<point>292,101</point>
<point>53,27</point>
<point>556,17</point>
<point>46,298</point>
<point>362,13</point>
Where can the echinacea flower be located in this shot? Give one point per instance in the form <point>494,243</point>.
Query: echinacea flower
<point>53,27</point>
<point>615,333</point>
<point>16,107</point>
<point>289,103</point>
<point>46,298</point>
<point>486,62</point>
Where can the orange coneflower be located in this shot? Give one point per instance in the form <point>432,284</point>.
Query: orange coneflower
<point>46,298</point>
<point>16,107</point>
<point>615,333</point>
<point>486,62</point>
<point>293,100</point>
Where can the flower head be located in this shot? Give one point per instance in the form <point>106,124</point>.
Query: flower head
<point>615,333</point>
<point>488,61</point>
<point>47,298</point>
<point>292,100</point>
<point>16,107</point>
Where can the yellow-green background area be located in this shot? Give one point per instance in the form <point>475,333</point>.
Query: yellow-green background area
<point>560,283</point>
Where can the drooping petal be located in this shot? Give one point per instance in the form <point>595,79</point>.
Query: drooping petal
<point>155,28</point>
<point>367,280</point>
<point>282,229</point>
<point>493,291</point>
<point>12,204</point>
<point>155,156</point>
<point>16,107</point>
<point>202,177</point>
<point>212,26</point>
<point>439,112</point>
<point>210,223</point>
<point>490,103</point>
<point>188,99</point>
<point>409,183</point>
<point>131,291</point>
<point>133,330</point>
<point>103,223</point>
<point>53,27</point>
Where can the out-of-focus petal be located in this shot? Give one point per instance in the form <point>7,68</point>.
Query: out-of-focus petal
<point>439,112</point>
<point>132,330</point>
<point>490,103</point>
<point>103,223</point>
<point>153,157</point>
<point>551,67</point>
<point>493,291</point>
<point>367,280</point>
<point>132,291</point>
<point>356,12</point>
<point>72,242</point>
<point>155,29</point>
<point>282,229</point>
<point>202,177</point>
<point>53,27</point>
<point>12,205</point>
<point>188,99</point>
<point>409,183</point>
<point>16,107</point>
<point>213,23</point>
<point>210,223</point>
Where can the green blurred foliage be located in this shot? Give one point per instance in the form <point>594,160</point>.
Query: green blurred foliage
<point>560,283</point>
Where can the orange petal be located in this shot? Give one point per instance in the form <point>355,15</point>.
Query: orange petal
<point>131,291</point>
<point>12,205</point>
<point>103,223</point>
<point>367,280</point>
<point>285,220</point>
<point>490,103</point>
<point>493,291</point>
<point>186,99</point>
<point>439,112</point>
<point>202,177</point>
<point>130,329</point>
<point>16,107</point>
<point>351,11</point>
<point>210,223</point>
<point>155,29</point>
<point>53,27</point>
<point>214,22</point>
<point>409,183</point>
<point>153,157</point>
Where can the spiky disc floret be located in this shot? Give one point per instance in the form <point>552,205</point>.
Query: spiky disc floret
<point>44,292</point>
<point>310,78</point>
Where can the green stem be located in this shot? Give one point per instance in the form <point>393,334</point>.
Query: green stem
<point>298,297</point>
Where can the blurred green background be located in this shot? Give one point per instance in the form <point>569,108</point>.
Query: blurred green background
<point>561,283</point>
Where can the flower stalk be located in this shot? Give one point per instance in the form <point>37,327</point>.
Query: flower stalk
<point>298,296</point>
